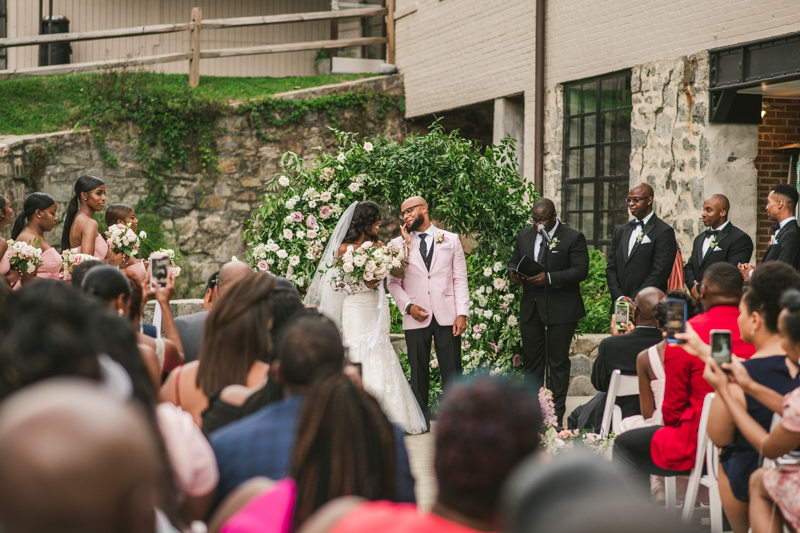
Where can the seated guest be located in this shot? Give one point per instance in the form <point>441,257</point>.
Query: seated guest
<point>670,449</point>
<point>262,444</point>
<point>102,478</point>
<point>619,352</point>
<point>211,292</point>
<point>731,244</point>
<point>124,214</point>
<point>80,271</point>
<point>236,401</point>
<point>235,347</point>
<point>191,327</point>
<point>479,442</point>
<point>38,217</point>
<point>339,424</point>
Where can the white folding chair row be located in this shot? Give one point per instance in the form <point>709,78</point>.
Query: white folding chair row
<point>618,386</point>
<point>776,419</point>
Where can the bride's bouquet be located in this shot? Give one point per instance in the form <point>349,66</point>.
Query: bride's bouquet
<point>24,256</point>
<point>70,259</point>
<point>370,263</point>
<point>122,239</point>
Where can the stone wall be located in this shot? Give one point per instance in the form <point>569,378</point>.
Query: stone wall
<point>203,215</point>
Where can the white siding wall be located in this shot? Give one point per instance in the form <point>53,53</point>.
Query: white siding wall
<point>88,15</point>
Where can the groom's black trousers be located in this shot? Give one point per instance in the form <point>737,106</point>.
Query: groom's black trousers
<point>448,353</point>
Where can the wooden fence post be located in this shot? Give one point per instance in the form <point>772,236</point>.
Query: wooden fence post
<point>194,60</point>
<point>390,32</point>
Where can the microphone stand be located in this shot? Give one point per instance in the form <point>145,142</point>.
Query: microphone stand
<point>546,243</point>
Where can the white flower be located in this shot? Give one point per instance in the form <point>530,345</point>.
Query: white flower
<point>366,245</point>
<point>476,336</point>
<point>497,318</point>
<point>287,234</point>
<point>499,284</point>
<point>283,181</point>
<point>512,320</point>
<point>312,234</point>
<point>368,276</point>
<point>487,314</point>
<point>368,146</point>
<point>289,219</point>
<point>142,235</point>
<point>300,234</point>
<point>479,311</point>
<point>360,260</point>
<point>488,290</point>
<point>347,267</point>
<point>271,261</point>
<point>354,187</point>
<point>294,260</point>
<point>483,326</point>
<point>371,266</point>
<point>272,247</point>
<point>339,167</point>
<point>282,254</point>
<point>498,266</point>
<point>299,282</point>
<point>326,196</point>
<point>487,272</point>
<point>340,158</point>
<point>312,204</point>
<point>340,196</point>
<point>482,290</point>
<point>310,255</point>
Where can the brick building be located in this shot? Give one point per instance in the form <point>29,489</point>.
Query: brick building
<point>693,97</point>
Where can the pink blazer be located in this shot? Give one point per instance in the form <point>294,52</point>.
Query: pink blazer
<point>443,291</point>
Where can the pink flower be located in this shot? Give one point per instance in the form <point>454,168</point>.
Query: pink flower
<point>494,347</point>
<point>263,266</point>
<point>325,211</point>
<point>476,328</point>
<point>311,221</point>
<point>548,407</point>
<point>516,360</point>
<point>298,216</point>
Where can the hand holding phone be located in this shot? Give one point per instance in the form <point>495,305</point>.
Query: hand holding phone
<point>721,346</point>
<point>159,269</point>
<point>621,314</point>
<point>676,319</point>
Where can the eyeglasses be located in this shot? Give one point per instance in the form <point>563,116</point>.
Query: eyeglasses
<point>542,220</point>
<point>636,199</point>
<point>409,210</point>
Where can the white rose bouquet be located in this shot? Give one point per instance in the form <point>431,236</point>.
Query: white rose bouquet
<point>122,239</point>
<point>24,256</point>
<point>70,259</point>
<point>369,263</point>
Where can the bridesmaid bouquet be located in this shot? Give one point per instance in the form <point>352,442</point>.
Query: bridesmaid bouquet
<point>371,263</point>
<point>122,239</point>
<point>172,264</point>
<point>70,259</point>
<point>24,256</point>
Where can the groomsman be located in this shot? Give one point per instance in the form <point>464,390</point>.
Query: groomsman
<point>642,251</point>
<point>730,244</point>
<point>785,242</point>
<point>567,267</point>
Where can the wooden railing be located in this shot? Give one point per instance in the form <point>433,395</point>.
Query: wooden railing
<point>195,54</point>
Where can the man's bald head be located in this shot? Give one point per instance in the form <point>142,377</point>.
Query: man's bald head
<point>642,189</point>
<point>412,201</point>
<point>544,206</point>
<point>230,273</point>
<point>640,200</point>
<point>414,212</point>
<point>645,302</point>
<point>72,458</point>
<point>715,210</point>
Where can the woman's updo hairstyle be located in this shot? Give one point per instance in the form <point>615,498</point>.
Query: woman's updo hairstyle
<point>365,215</point>
<point>34,202</point>
<point>84,184</point>
<point>105,283</point>
<point>767,285</point>
<point>117,212</point>
<point>790,301</point>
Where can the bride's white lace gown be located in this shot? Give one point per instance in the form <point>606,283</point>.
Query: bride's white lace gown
<point>381,371</point>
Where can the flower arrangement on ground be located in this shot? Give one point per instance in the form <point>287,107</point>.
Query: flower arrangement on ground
<point>556,441</point>
<point>70,259</point>
<point>24,256</point>
<point>122,239</point>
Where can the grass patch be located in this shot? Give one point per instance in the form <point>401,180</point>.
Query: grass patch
<point>50,103</point>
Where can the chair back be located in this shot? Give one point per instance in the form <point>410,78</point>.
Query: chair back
<point>776,420</point>
<point>619,385</point>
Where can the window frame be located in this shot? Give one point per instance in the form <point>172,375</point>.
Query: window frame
<point>597,211</point>
<point>3,33</point>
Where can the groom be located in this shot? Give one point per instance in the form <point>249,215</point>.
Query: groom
<point>433,296</point>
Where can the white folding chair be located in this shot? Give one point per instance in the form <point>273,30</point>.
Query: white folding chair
<point>776,419</point>
<point>709,454</point>
<point>619,385</point>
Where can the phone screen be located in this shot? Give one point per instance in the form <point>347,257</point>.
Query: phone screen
<point>676,319</point>
<point>721,345</point>
<point>159,269</point>
<point>621,310</point>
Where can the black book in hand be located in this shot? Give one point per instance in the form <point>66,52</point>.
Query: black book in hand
<point>526,267</point>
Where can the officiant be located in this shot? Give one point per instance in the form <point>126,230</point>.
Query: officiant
<point>551,299</point>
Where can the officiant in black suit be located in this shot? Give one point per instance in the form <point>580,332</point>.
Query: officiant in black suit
<point>730,244</point>
<point>567,266</point>
<point>784,244</point>
<point>642,251</point>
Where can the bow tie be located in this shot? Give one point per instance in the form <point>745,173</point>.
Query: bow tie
<point>710,232</point>
<point>636,222</point>
<point>776,228</point>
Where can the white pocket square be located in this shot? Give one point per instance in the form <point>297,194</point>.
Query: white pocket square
<point>553,251</point>
<point>717,249</point>
<point>446,246</point>
<point>646,240</point>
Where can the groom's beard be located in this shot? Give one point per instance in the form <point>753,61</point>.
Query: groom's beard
<point>416,224</point>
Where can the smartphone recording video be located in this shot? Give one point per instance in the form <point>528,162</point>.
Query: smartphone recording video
<point>676,319</point>
<point>621,314</point>
<point>159,268</point>
<point>721,345</point>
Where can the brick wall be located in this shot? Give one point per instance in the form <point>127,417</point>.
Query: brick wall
<point>780,126</point>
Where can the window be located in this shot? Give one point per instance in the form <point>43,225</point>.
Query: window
<point>3,33</point>
<point>597,148</point>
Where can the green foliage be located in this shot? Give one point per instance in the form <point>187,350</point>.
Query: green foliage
<point>156,239</point>
<point>596,297</point>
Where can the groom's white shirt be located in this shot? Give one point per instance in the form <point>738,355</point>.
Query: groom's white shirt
<point>431,233</point>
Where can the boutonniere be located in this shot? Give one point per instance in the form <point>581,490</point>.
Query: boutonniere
<point>714,242</point>
<point>773,240</point>
<point>439,239</point>
<point>553,243</point>
<point>641,236</point>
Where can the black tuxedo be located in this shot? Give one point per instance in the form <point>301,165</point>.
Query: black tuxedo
<point>568,266</point>
<point>788,247</point>
<point>735,246</point>
<point>649,263</point>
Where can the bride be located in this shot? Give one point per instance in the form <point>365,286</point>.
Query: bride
<point>361,311</point>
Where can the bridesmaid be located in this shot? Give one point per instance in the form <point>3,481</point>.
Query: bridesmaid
<point>37,218</point>
<point>6,218</point>
<point>80,227</point>
<point>124,214</point>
